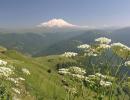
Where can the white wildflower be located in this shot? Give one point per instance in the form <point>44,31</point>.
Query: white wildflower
<point>21,79</point>
<point>91,54</point>
<point>119,45</point>
<point>14,80</point>
<point>120,49</point>
<point>77,70</point>
<point>63,69</point>
<point>105,83</point>
<point>127,63</point>
<point>25,71</point>
<point>87,79</point>
<point>6,72</point>
<point>69,54</point>
<point>16,90</point>
<point>77,76</point>
<point>63,72</point>
<point>92,76</point>
<point>84,46</point>
<point>103,40</point>
<point>101,76</point>
<point>103,46</point>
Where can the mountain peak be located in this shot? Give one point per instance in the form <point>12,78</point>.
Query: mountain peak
<point>60,23</point>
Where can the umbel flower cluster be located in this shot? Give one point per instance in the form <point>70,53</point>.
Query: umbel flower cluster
<point>103,40</point>
<point>103,44</point>
<point>99,80</point>
<point>5,71</point>
<point>84,46</point>
<point>72,70</point>
<point>80,74</point>
<point>25,71</point>
<point>70,54</point>
<point>127,63</point>
<point>103,62</point>
<point>7,74</point>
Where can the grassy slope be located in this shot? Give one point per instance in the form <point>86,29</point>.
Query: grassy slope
<point>40,83</point>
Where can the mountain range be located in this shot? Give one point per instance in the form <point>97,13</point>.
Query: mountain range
<point>57,36</point>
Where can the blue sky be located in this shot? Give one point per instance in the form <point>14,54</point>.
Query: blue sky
<point>29,13</point>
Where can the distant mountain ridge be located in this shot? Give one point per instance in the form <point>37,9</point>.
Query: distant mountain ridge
<point>56,42</point>
<point>33,43</point>
<point>120,35</point>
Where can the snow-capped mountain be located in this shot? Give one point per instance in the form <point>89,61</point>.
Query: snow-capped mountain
<point>60,23</point>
